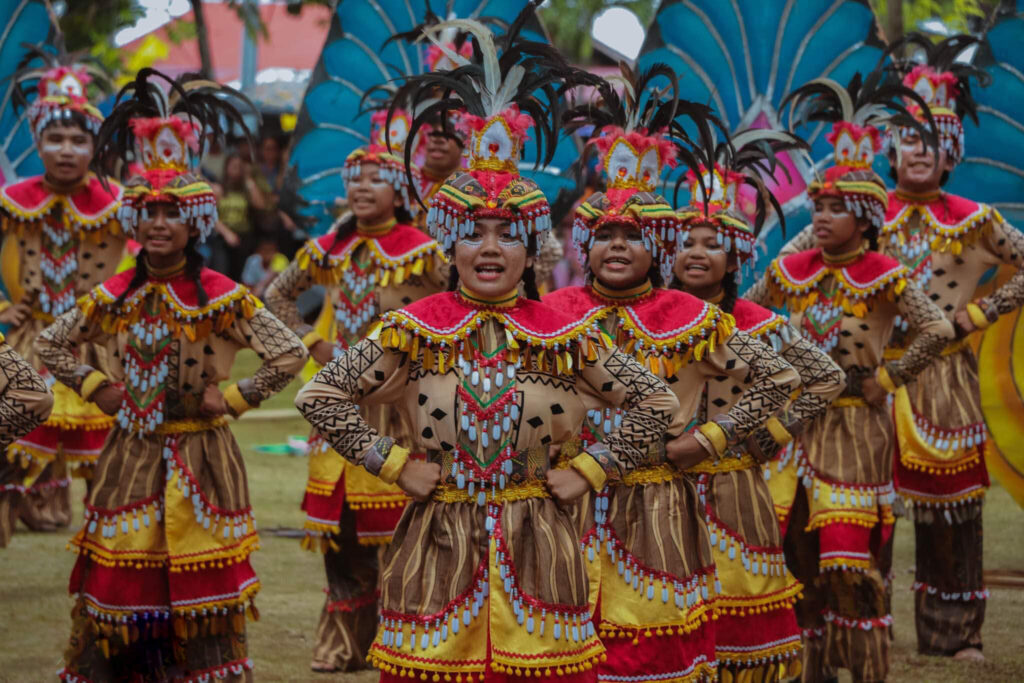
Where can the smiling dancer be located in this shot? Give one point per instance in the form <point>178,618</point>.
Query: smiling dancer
<point>484,580</point>
<point>163,576</point>
<point>374,261</point>
<point>61,229</point>
<point>845,296</point>
<point>649,544</point>
<point>756,636</point>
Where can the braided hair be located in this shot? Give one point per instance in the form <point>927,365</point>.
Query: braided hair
<point>194,263</point>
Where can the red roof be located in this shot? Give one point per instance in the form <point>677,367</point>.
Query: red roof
<point>293,41</point>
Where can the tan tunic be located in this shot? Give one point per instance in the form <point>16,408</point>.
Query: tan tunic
<point>365,275</point>
<point>490,569</point>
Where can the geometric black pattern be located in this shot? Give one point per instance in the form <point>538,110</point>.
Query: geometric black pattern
<point>282,294</point>
<point>815,368</point>
<point>17,416</point>
<point>763,397</point>
<point>920,312</point>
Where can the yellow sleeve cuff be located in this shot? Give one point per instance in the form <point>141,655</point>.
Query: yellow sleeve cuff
<point>395,463</point>
<point>92,382</point>
<point>236,401</point>
<point>716,435</point>
<point>311,339</point>
<point>978,317</point>
<point>883,378</point>
<point>595,475</point>
<point>778,431</point>
<point>4,305</point>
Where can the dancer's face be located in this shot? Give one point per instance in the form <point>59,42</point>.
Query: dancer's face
<point>835,227</point>
<point>918,170</point>
<point>702,263</point>
<point>619,258</point>
<point>66,152</point>
<point>490,260</point>
<point>164,234</point>
<point>443,155</point>
<point>372,199</point>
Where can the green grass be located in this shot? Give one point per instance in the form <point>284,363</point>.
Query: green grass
<point>34,570</point>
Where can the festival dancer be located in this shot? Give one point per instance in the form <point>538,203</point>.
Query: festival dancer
<point>163,576</point>
<point>484,580</point>
<point>845,297</point>
<point>25,403</point>
<point>756,634</point>
<point>374,261</point>
<point>649,541</point>
<point>948,243</point>
<point>62,231</point>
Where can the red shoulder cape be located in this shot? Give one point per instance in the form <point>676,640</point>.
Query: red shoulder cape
<point>800,272</point>
<point>89,207</point>
<point>183,290</point>
<point>756,320</point>
<point>404,248</point>
<point>953,221</point>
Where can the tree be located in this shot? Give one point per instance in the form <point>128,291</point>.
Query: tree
<point>898,17</point>
<point>568,22</point>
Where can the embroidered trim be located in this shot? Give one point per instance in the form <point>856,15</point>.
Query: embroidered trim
<point>394,269</point>
<point>438,348</point>
<point>852,295</point>
<point>945,238</point>
<point>194,322</point>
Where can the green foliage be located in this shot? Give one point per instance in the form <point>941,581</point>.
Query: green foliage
<point>568,22</point>
<point>91,26</point>
<point>954,14</point>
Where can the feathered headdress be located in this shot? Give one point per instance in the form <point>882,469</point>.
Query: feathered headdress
<point>856,113</point>
<point>60,82</point>
<point>943,83</point>
<point>511,85</point>
<point>635,134</point>
<point>164,131</point>
<point>747,158</point>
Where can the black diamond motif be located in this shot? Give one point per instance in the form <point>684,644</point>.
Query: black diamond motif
<point>422,398</point>
<point>952,284</point>
<point>719,402</point>
<point>428,433</point>
<point>535,421</point>
<point>438,414</point>
<point>556,409</point>
<point>378,375</point>
<point>607,387</point>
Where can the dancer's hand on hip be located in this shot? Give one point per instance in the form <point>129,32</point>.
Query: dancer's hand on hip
<point>419,479</point>
<point>566,485</point>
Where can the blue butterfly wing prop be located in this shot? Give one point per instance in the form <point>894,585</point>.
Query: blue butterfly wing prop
<point>742,58</point>
<point>992,170</point>
<point>21,21</point>
<point>355,60</point>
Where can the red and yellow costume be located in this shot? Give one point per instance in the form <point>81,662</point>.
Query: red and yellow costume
<point>757,635</point>
<point>834,485</point>
<point>648,546</point>
<point>948,243</point>
<point>366,270</point>
<point>57,246</point>
<point>163,577</point>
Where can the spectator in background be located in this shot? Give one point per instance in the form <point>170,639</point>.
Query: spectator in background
<point>238,197</point>
<point>271,221</point>
<point>262,267</point>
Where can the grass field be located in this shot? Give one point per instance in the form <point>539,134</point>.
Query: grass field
<point>34,569</point>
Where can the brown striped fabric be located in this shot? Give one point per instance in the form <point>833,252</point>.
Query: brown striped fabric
<point>348,620</point>
<point>742,502</point>
<point>847,595</point>
<point>132,469</point>
<point>949,408</point>
<point>852,444</point>
<point>662,526</point>
<point>949,562</point>
<point>438,548</point>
